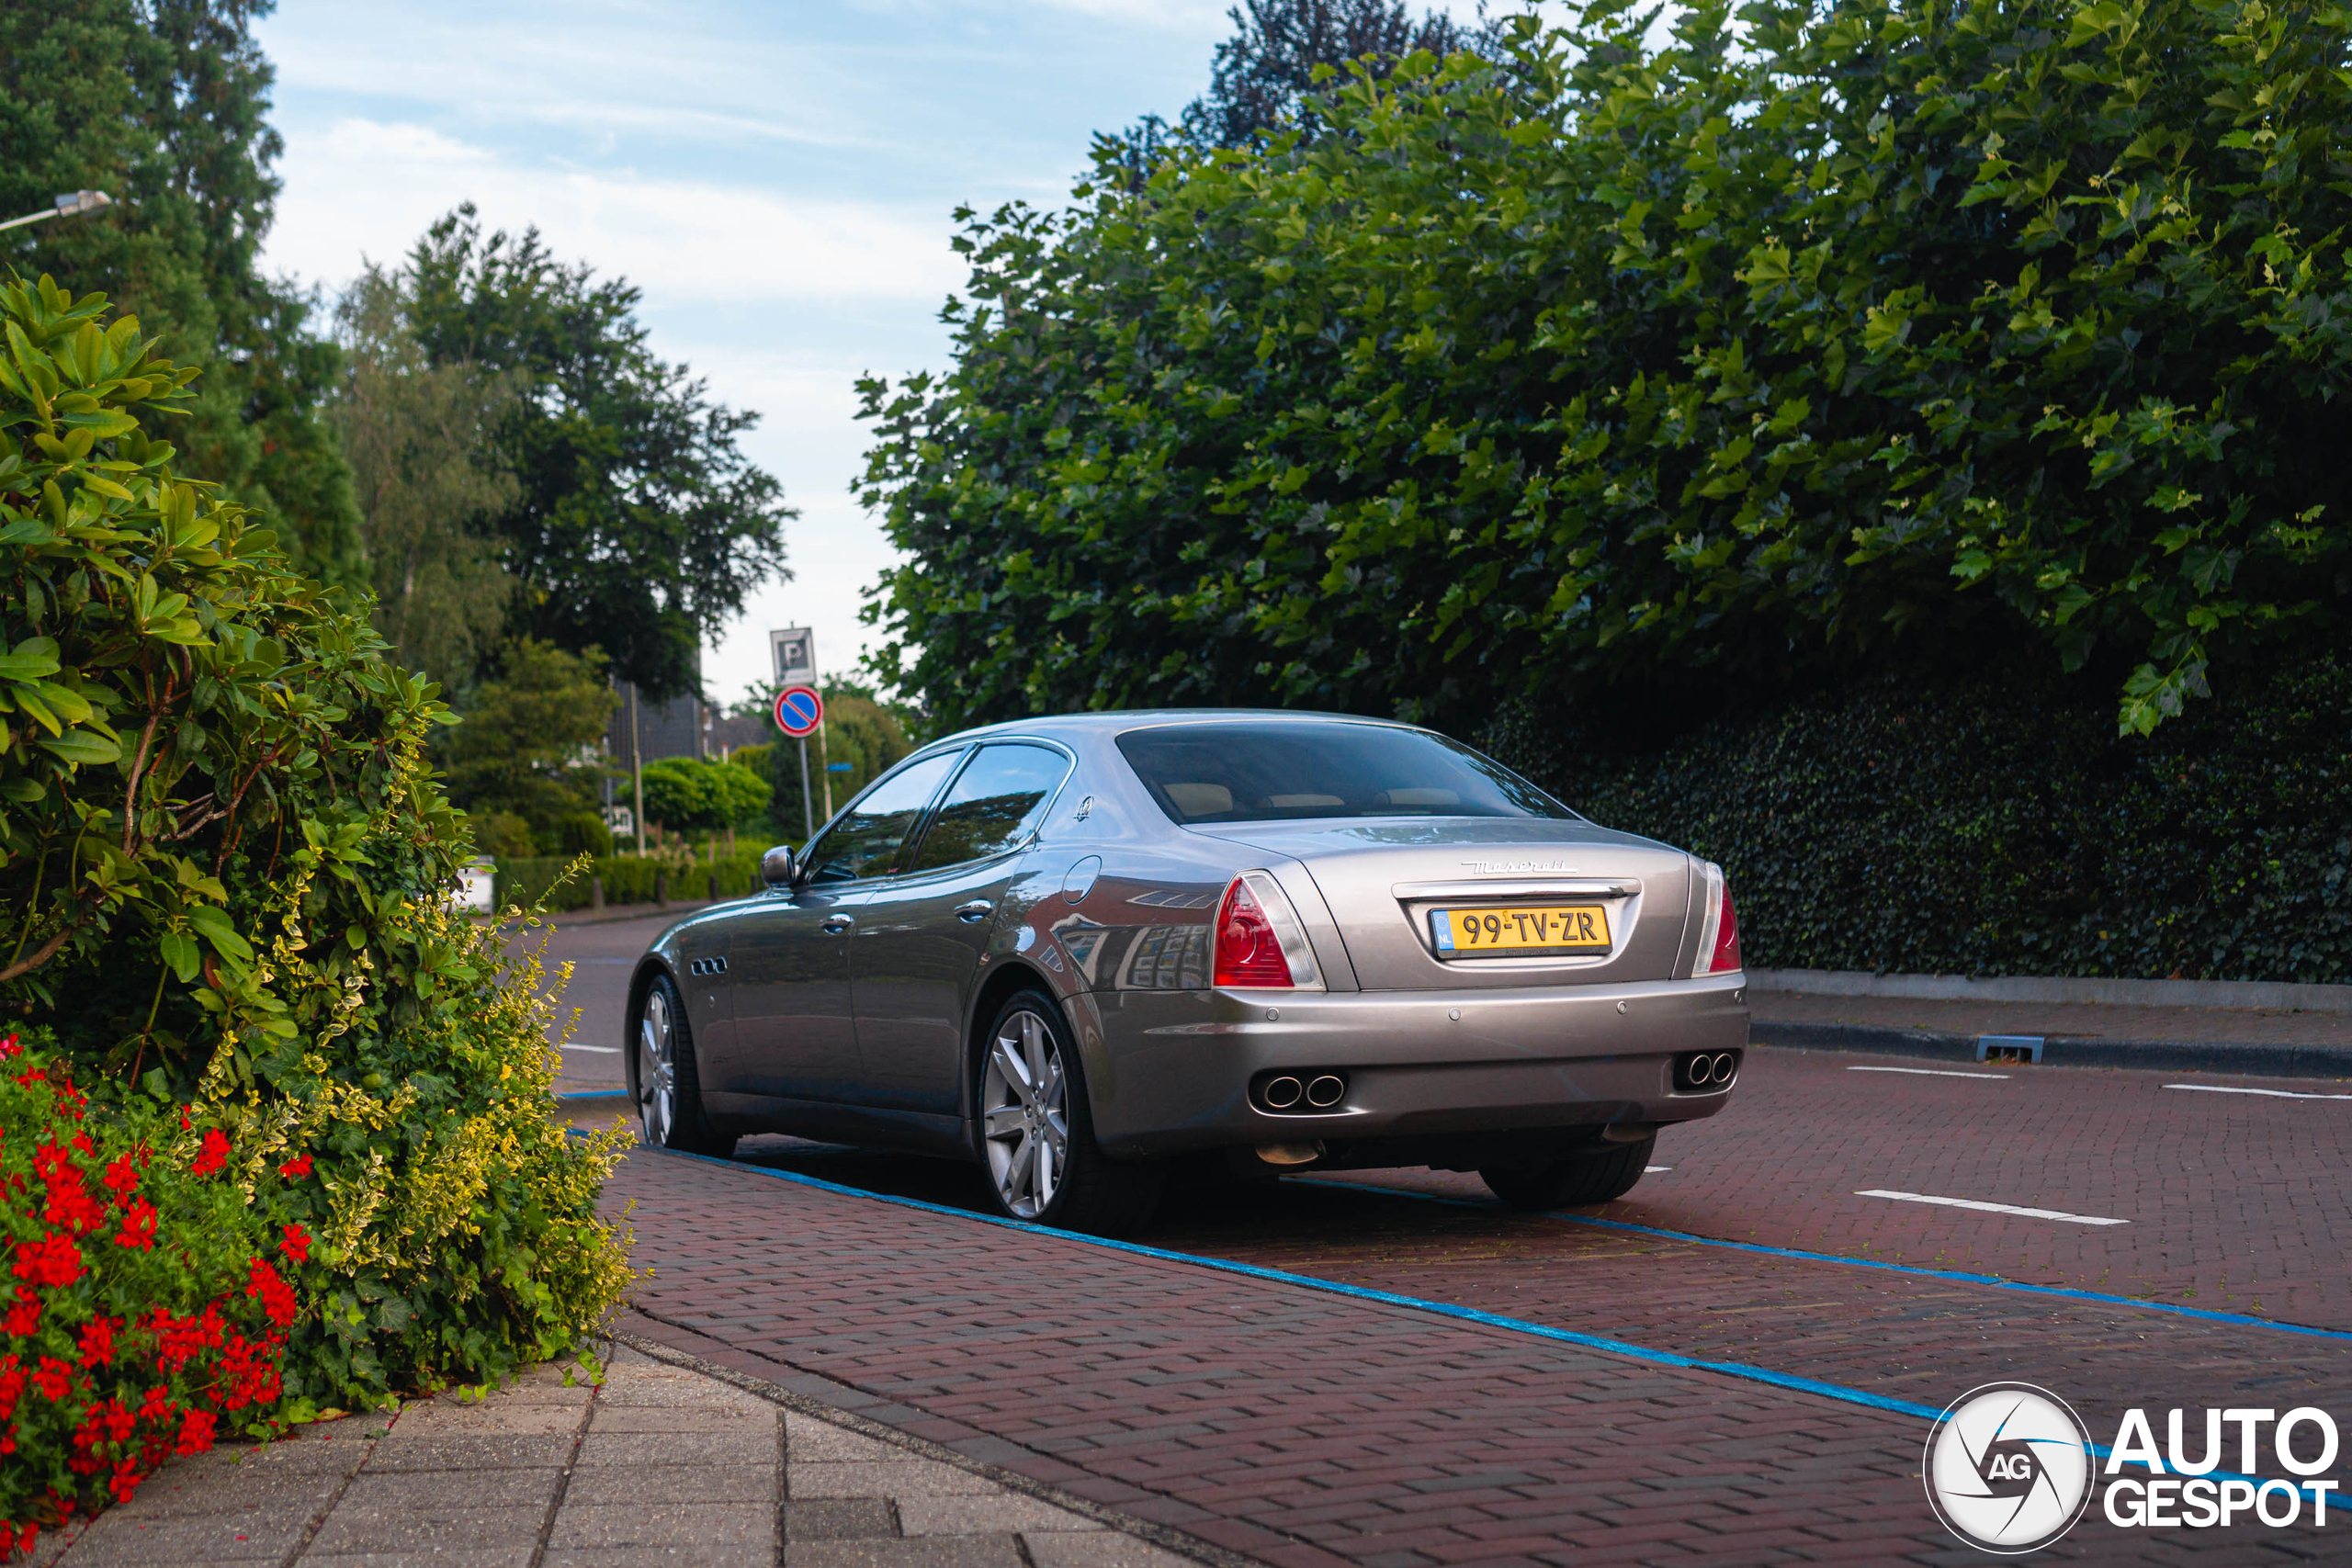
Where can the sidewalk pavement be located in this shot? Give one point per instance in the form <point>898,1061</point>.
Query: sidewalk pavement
<point>664,1464</point>
<point>2263,1041</point>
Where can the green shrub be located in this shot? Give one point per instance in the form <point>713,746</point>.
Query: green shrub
<point>689,795</point>
<point>628,879</point>
<point>1661,359</point>
<point>225,873</point>
<point>149,1308</point>
<point>583,833</point>
<point>2000,827</point>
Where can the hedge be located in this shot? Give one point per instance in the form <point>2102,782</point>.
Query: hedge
<point>2000,827</point>
<point>628,879</point>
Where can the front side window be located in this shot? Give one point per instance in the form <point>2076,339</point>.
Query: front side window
<point>866,842</point>
<point>993,804</point>
<point>1250,771</point>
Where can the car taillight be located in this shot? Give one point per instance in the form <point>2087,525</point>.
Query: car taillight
<point>1719,928</point>
<point>1259,938</point>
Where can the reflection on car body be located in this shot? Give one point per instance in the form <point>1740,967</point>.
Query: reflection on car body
<point>1096,951</point>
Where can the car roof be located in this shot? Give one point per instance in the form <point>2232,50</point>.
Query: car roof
<point>1115,720</point>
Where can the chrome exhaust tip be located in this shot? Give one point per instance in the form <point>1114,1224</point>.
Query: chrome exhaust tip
<point>1280,1093</point>
<point>1724,1066</point>
<point>1289,1154</point>
<point>1325,1092</point>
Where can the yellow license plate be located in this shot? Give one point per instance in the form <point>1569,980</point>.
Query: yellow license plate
<point>1472,933</point>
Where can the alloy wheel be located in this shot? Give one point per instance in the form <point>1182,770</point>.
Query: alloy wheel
<point>657,1071</point>
<point>1024,1113</point>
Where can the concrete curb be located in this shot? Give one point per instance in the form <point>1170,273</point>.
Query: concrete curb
<point>2068,1051</point>
<point>2276,996</point>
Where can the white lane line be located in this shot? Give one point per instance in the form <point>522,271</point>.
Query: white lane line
<point>1991,1207</point>
<point>2273,1093</point>
<point>1651,1167</point>
<point>1928,1072</point>
<point>600,1050</point>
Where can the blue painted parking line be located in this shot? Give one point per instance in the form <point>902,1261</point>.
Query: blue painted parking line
<point>2238,1319</point>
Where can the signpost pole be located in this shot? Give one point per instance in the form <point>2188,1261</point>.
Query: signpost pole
<point>807,813</point>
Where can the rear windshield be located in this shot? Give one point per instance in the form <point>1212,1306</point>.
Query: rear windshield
<point>1246,771</point>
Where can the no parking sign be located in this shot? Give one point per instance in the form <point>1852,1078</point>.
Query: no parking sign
<point>798,711</point>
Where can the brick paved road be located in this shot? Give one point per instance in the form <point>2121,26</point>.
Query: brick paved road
<point>1301,1427</point>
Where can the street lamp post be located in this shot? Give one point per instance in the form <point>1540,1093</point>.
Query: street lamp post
<point>71,204</point>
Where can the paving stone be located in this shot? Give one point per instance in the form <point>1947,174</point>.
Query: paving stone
<point>517,1452</point>
<point>411,1529</point>
<point>620,1419</point>
<point>641,1449</point>
<point>1097,1548</point>
<point>440,1554</point>
<point>809,1439</point>
<point>932,1515</point>
<point>438,1417</point>
<point>121,1536</point>
<point>835,1518</point>
<point>429,1491</point>
<point>672,1483</point>
<point>930,1551</point>
<point>904,1478</point>
<point>738,1554</point>
<point>654,1519</point>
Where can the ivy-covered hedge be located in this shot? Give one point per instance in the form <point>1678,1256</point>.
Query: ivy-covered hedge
<point>2000,827</point>
<point>628,879</point>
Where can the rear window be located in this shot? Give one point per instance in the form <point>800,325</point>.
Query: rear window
<point>1280,770</point>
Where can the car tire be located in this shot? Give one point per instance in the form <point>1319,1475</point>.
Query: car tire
<point>1036,1132</point>
<point>663,1083</point>
<point>1569,1180</point>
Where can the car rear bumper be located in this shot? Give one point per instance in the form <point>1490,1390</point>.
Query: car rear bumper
<point>1170,1071</point>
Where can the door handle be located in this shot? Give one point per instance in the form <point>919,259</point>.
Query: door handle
<point>836,924</point>
<point>974,913</point>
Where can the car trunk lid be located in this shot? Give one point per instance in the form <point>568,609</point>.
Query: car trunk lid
<point>1385,880</point>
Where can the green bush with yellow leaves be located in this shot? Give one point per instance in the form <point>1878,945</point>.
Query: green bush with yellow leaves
<point>225,872</point>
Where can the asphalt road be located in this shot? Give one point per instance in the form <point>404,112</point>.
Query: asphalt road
<point>2146,1245</point>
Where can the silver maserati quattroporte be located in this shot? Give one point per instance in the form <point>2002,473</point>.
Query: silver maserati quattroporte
<point>1089,951</point>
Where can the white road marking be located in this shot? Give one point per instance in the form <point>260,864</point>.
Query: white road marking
<point>600,1050</point>
<point>2273,1093</point>
<point>1651,1167</point>
<point>1991,1207</point>
<point>1928,1072</point>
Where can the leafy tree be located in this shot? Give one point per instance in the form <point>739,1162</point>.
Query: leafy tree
<point>522,747</point>
<point>1267,72</point>
<point>689,795</point>
<point>638,526</point>
<point>162,105</point>
<point>1847,337</point>
<point>417,437</point>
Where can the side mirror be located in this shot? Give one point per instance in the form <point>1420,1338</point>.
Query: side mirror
<point>779,867</point>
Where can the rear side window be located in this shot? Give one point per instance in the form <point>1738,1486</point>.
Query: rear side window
<point>1249,772</point>
<point>992,805</point>
<point>868,838</point>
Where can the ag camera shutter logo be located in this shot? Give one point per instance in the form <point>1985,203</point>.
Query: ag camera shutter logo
<point>2008,1468</point>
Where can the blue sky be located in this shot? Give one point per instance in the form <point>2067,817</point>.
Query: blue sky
<point>778,179</point>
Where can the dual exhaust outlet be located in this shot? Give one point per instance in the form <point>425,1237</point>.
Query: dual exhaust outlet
<point>1299,1094</point>
<point>1705,1069</point>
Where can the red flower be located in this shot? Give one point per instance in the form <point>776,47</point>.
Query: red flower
<point>276,1295</point>
<point>98,1341</point>
<point>52,1379</point>
<point>125,1485</point>
<point>298,1244</point>
<point>156,1406</point>
<point>8,1048</point>
<point>81,1142</point>
<point>53,1260</point>
<point>185,1122</point>
<point>214,1154</point>
<point>12,1384</point>
<point>196,1433</point>
<point>122,1178</point>
<point>24,1317</point>
<point>138,1225</point>
<point>297,1167</point>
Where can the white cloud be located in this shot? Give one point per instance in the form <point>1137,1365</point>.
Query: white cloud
<point>371,188</point>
